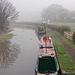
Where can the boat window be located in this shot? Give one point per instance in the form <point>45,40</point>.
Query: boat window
<point>42,52</point>
<point>46,64</point>
<point>46,45</point>
<point>49,40</point>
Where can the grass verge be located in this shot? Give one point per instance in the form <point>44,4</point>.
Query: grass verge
<point>70,43</point>
<point>66,62</point>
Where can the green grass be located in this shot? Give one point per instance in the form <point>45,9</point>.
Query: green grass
<point>66,62</point>
<point>4,37</point>
<point>70,43</point>
<point>71,25</point>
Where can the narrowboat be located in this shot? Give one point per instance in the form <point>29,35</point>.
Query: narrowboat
<point>47,63</point>
<point>40,30</point>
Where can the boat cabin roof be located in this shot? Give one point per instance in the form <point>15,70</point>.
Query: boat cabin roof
<point>47,64</point>
<point>46,52</point>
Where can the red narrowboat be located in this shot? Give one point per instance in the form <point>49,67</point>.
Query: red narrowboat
<point>47,63</point>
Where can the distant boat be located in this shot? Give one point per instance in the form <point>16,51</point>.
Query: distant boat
<point>40,30</point>
<point>47,63</point>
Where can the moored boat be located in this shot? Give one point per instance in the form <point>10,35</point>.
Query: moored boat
<point>47,63</point>
<point>40,30</point>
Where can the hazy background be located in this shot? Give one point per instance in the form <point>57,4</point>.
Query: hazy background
<point>30,10</point>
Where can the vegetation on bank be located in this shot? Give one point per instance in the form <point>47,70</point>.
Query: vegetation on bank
<point>71,25</point>
<point>62,29</point>
<point>5,37</point>
<point>66,62</point>
<point>70,43</point>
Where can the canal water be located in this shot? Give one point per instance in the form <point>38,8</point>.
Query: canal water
<point>18,55</point>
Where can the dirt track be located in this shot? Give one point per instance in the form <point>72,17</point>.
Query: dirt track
<point>69,49</point>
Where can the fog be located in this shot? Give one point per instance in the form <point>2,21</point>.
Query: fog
<point>30,10</point>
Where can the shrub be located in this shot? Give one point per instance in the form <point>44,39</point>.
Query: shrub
<point>64,28</point>
<point>60,29</point>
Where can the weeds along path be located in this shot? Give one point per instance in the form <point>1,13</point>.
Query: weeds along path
<point>69,49</point>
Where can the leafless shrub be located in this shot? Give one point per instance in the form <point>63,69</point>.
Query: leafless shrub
<point>8,14</point>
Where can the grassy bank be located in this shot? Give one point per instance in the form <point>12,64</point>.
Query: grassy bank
<point>66,62</point>
<point>5,37</point>
<point>70,43</point>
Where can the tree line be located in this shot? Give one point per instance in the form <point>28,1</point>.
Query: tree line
<point>57,13</point>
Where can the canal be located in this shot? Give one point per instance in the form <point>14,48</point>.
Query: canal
<point>18,54</point>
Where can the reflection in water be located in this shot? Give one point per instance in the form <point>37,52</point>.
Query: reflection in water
<point>8,53</point>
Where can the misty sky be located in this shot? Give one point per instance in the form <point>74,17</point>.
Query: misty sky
<point>30,10</point>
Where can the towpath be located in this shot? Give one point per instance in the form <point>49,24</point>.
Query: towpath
<point>69,49</point>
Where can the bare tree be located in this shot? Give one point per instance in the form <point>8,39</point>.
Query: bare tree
<point>8,13</point>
